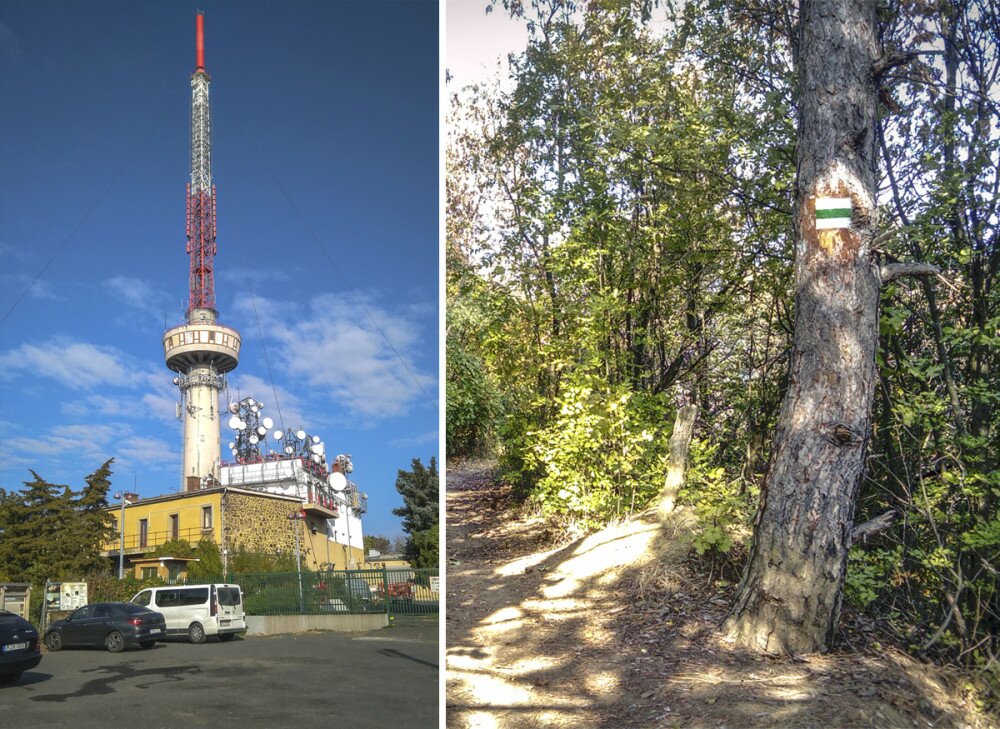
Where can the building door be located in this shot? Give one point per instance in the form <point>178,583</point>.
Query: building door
<point>143,532</point>
<point>175,527</point>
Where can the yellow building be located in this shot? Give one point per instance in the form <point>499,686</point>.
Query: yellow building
<point>255,521</point>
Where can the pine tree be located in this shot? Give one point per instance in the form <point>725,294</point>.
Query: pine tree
<point>419,489</point>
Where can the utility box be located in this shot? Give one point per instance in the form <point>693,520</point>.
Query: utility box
<point>15,597</point>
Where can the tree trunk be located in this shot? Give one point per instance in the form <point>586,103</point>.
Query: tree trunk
<point>680,445</point>
<point>789,598</point>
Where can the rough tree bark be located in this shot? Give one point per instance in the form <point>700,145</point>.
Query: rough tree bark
<point>789,598</point>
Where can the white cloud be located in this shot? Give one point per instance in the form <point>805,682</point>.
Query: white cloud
<point>17,284</point>
<point>142,450</point>
<point>138,297</point>
<point>86,367</point>
<point>337,347</point>
<point>78,365</point>
<point>93,442</point>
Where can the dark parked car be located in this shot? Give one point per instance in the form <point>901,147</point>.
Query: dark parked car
<point>111,624</point>
<point>19,646</point>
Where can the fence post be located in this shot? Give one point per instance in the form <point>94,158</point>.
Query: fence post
<point>45,601</point>
<point>385,587</point>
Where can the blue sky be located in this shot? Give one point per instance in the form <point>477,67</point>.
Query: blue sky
<point>332,105</point>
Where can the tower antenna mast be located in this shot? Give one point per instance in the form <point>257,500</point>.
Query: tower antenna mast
<point>201,351</point>
<point>201,228</point>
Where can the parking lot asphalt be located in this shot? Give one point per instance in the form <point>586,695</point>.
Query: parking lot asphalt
<point>383,678</point>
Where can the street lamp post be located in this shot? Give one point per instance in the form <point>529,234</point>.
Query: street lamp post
<point>121,528</point>
<point>297,516</point>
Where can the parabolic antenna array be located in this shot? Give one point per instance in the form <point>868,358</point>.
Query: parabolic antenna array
<point>201,351</point>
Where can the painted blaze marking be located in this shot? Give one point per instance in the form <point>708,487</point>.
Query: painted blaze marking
<point>833,212</point>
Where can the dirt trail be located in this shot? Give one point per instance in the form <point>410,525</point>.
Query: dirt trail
<point>614,631</point>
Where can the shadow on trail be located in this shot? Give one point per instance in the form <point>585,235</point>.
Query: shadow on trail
<point>614,630</point>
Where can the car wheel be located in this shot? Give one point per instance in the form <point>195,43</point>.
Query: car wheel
<point>196,633</point>
<point>53,641</point>
<point>115,642</point>
<point>226,637</point>
<point>10,677</point>
<point>147,643</point>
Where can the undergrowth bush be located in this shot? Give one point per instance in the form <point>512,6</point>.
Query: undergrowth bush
<point>601,457</point>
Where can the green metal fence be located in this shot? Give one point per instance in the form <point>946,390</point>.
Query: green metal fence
<point>393,592</point>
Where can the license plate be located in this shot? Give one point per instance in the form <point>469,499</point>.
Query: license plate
<point>15,647</point>
<point>224,622</point>
<point>154,631</point>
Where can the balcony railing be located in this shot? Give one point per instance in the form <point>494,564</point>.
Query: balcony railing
<point>146,542</point>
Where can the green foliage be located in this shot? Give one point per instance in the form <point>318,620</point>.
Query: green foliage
<point>419,489</point>
<point>472,404</point>
<point>50,532</point>
<point>869,572</point>
<point>173,548</point>
<point>601,457</point>
<point>425,544</point>
<point>380,544</point>
<point>209,560</point>
<point>722,505</point>
<point>242,561</point>
<point>106,588</point>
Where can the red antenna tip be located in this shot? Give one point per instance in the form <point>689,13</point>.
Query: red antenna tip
<point>199,33</point>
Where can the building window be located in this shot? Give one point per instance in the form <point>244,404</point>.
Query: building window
<point>143,532</point>
<point>206,517</point>
<point>148,572</point>
<point>175,527</point>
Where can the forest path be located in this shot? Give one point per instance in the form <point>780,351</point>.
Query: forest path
<point>613,630</point>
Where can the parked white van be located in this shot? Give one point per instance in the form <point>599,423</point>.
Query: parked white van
<point>198,611</point>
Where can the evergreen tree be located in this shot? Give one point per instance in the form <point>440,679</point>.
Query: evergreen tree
<point>94,523</point>
<point>209,562</point>
<point>419,489</point>
<point>37,526</point>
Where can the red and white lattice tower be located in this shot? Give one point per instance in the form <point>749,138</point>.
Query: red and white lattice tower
<point>201,351</point>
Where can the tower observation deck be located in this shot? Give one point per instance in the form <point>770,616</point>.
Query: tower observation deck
<point>201,351</point>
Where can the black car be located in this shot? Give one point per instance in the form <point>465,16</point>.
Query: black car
<point>111,624</point>
<point>19,646</point>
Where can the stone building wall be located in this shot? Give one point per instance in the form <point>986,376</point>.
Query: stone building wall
<point>259,523</point>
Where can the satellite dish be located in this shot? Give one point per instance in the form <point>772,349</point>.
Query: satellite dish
<point>315,458</point>
<point>262,431</point>
<point>177,380</point>
<point>338,481</point>
<point>254,440</point>
<point>289,450</point>
<point>234,408</point>
<point>243,425</point>
<point>232,445</point>
<point>315,439</point>
<point>268,423</point>
<point>251,402</point>
<point>235,451</point>
<point>260,405</point>
<point>234,423</point>
<point>300,434</point>
<point>278,434</point>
